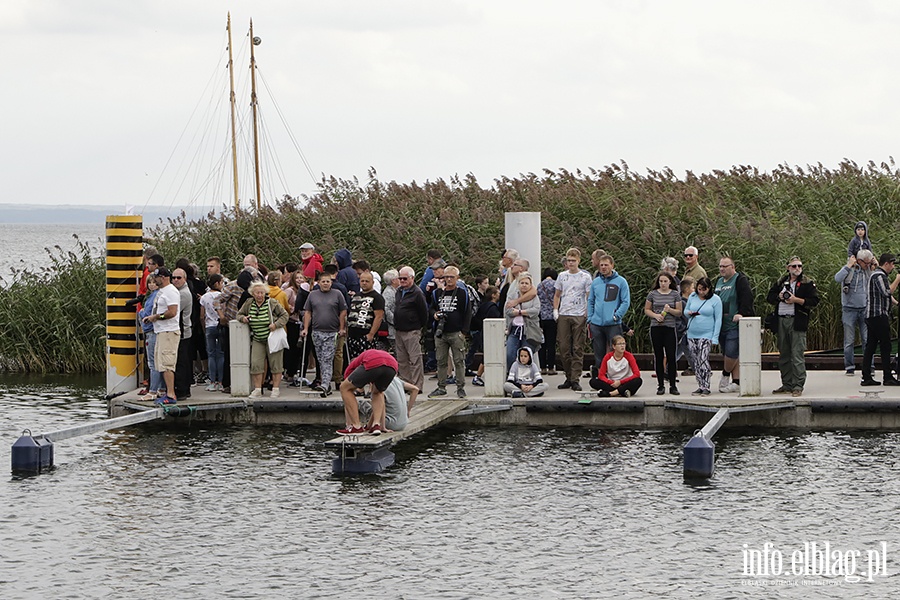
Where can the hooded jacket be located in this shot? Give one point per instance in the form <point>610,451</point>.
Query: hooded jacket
<point>346,275</point>
<point>857,244</point>
<point>529,374</point>
<point>312,265</point>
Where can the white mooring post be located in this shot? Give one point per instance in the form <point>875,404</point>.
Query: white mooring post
<point>523,232</point>
<point>239,343</point>
<point>494,332</point>
<point>750,336</point>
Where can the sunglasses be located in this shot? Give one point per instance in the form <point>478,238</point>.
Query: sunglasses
<point>795,266</point>
<point>688,255</point>
<point>403,278</point>
<point>177,277</point>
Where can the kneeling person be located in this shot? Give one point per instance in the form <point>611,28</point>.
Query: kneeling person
<point>375,367</point>
<point>524,378</point>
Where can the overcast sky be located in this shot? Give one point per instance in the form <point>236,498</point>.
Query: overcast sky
<point>97,92</point>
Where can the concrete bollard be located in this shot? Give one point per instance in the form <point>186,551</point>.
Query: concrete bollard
<point>750,340</point>
<point>494,357</point>
<point>240,359</point>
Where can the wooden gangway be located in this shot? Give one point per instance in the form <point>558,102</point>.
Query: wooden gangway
<point>370,453</point>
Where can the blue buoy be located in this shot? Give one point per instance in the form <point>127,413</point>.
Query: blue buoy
<point>26,454</point>
<point>46,452</point>
<point>699,457</point>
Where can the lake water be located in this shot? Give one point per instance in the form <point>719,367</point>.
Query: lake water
<point>194,511</point>
<point>244,512</point>
<point>22,245</point>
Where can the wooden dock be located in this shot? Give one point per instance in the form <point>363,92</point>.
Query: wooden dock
<point>359,454</point>
<point>425,414</point>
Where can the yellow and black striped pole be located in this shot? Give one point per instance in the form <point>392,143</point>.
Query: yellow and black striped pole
<point>124,249</point>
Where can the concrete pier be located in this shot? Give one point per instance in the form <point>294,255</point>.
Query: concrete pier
<point>830,401</point>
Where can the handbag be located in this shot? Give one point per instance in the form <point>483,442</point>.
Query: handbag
<point>277,339</point>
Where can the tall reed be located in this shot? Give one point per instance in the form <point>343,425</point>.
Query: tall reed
<point>758,218</point>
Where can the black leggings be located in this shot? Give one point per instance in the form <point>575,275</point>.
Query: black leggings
<point>663,339</point>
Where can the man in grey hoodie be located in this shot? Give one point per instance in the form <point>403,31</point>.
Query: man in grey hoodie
<point>854,281</point>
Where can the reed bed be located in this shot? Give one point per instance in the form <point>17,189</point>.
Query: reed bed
<point>759,218</point>
<point>53,319</point>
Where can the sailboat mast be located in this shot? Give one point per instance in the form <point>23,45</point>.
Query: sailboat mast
<point>234,164</point>
<point>254,42</point>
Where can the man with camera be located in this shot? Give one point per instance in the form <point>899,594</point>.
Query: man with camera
<point>854,281</point>
<point>793,295</point>
<point>451,314</point>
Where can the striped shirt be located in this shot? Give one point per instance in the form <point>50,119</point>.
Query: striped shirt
<point>259,320</point>
<point>879,295</point>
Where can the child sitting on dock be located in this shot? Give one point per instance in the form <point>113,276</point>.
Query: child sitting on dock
<point>524,380</point>
<point>618,374</point>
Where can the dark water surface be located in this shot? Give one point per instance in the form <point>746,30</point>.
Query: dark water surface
<point>245,512</point>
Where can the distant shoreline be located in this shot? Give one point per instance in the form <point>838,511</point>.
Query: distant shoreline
<point>85,214</point>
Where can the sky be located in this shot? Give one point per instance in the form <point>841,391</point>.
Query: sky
<point>98,93</point>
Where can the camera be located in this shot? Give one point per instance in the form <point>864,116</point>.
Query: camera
<point>439,328</point>
<point>134,301</point>
<point>786,292</point>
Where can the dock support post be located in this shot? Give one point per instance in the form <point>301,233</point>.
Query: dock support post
<point>239,336</point>
<point>750,336</point>
<point>494,357</point>
<point>700,451</point>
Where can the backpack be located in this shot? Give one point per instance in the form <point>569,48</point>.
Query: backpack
<point>474,298</point>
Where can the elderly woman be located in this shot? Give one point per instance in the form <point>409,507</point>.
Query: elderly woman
<point>523,326</point>
<point>669,265</point>
<point>263,315</point>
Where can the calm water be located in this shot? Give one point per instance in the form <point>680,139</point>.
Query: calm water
<point>22,245</point>
<point>244,512</point>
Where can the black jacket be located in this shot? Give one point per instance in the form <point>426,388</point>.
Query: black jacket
<point>410,310</point>
<point>805,289</point>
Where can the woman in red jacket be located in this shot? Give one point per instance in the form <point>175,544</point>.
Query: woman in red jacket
<point>619,375</point>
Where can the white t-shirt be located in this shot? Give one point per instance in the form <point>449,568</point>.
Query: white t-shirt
<point>573,293</point>
<point>208,302</point>
<point>166,297</point>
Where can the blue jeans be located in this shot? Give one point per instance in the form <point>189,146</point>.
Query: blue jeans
<point>215,353</point>
<point>156,379</point>
<point>601,340</point>
<point>853,318</point>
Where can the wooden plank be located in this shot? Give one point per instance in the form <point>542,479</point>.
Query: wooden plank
<point>426,413</point>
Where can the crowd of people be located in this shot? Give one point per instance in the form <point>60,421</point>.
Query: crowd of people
<point>313,317</point>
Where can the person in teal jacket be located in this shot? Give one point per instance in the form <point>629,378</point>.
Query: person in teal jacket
<point>608,302</point>
<point>704,313</point>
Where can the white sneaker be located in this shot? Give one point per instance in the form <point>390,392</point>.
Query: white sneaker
<point>724,382</point>
<point>256,393</point>
<point>731,387</point>
<point>276,392</point>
